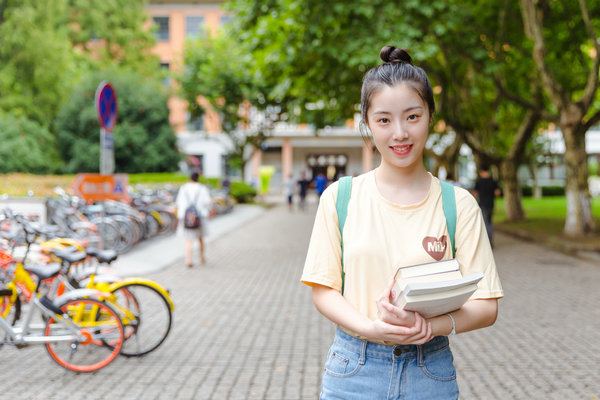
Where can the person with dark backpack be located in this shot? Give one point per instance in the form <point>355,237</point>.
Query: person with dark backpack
<point>193,208</point>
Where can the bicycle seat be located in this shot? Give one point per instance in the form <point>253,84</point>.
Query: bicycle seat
<point>45,272</point>
<point>104,256</point>
<point>69,255</point>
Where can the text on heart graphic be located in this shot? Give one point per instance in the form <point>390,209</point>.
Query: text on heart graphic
<point>435,247</point>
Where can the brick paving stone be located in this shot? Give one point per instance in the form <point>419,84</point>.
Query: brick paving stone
<point>245,328</point>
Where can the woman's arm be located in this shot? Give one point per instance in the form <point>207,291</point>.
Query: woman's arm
<point>334,306</point>
<point>474,314</point>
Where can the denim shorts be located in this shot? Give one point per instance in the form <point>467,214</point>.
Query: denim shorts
<point>360,369</point>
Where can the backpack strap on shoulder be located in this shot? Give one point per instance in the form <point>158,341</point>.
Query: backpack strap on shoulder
<point>341,206</point>
<point>449,206</point>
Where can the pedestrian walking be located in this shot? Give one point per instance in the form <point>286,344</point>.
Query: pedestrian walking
<point>288,191</point>
<point>303,184</point>
<point>193,194</point>
<point>485,191</point>
<point>320,183</point>
<point>394,213</point>
<point>226,185</point>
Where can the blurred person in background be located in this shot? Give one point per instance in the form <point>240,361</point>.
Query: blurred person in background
<point>193,193</point>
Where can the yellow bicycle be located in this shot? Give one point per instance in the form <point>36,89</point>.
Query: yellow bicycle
<point>81,332</point>
<point>145,307</point>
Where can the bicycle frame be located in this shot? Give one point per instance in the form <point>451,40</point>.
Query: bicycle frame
<point>22,336</point>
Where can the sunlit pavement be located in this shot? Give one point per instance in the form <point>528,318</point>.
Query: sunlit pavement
<point>245,328</point>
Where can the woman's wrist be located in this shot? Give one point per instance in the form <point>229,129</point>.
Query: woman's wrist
<point>441,325</point>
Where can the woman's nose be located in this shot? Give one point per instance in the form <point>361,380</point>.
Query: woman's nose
<point>400,132</point>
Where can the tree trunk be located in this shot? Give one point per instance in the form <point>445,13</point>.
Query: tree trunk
<point>580,220</point>
<point>512,190</point>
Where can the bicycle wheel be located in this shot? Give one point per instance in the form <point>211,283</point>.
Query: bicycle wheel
<point>102,336</point>
<point>109,231</point>
<point>146,317</point>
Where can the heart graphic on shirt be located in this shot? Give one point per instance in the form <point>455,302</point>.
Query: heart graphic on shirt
<point>435,247</point>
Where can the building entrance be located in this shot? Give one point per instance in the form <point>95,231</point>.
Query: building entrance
<point>333,166</point>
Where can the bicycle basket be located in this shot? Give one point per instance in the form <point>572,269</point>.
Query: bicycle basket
<point>5,258</point>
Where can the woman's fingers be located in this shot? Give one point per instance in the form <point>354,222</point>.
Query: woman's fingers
<point>419,333</point>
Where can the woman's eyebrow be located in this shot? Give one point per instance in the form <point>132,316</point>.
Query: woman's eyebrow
<point>405,110</point>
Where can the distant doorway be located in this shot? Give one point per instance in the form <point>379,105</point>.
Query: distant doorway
<point>333,166</point>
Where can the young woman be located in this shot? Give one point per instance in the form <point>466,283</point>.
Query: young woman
<point>394,215</point>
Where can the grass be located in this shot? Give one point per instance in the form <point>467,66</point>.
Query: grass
<point>546,221</point>
<point>18,184</point>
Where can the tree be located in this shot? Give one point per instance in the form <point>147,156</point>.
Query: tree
<point>35,58</point>
<point>571,90</point>
<point>217,71</point>
<point>144,141</point>
<point>113,33</point>
<point>27,146</point>
<point>318,53</point>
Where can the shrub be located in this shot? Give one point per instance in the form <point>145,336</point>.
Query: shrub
<point>527,191</point>
<point>210,182</point>
<point>242,192</point>
<point>26,146</point>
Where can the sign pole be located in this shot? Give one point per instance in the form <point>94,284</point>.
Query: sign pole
<point>106,106</point>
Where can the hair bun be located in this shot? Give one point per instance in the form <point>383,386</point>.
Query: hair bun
<point>391,54</point>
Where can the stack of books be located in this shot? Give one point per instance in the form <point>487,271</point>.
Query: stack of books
<point>434,288</point>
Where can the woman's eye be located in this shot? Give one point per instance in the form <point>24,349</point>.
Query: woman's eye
<point>383,120</point>
<point>413,117</point>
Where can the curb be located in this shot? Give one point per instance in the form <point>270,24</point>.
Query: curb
<point>162,252</point>
<point>582,251</point>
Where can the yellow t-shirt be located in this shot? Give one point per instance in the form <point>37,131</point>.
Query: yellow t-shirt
<point>380,236</point>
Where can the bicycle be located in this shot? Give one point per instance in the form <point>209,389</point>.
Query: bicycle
<point>81,333</point>
<point>144,306</point>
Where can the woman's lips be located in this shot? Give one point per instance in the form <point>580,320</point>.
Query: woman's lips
<point>401,150</point>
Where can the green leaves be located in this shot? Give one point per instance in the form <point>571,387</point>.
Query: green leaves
<point>26,146</point>
<point>46,47</point>
<point>144,140</point>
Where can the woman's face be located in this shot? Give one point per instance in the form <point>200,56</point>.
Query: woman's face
<point>399,121</point>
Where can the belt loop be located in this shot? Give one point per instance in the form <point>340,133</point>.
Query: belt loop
<point>420,355</point>
<point>363,353</point>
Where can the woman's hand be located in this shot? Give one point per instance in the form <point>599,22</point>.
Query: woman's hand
<point>332,305</point>
<point>390,313</point>
<point>397,325</point>
<point>419,333</point>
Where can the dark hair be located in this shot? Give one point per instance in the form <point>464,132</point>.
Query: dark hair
<point>397,68</point>
<point>194,176</point>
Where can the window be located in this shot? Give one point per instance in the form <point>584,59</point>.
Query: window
<point>164,69</point>
<point>196,124</point>
<point>162,28</point>
<point>225,19</point>
<point>194,26</point>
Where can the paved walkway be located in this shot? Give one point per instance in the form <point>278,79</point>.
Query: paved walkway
<point>245,328</point>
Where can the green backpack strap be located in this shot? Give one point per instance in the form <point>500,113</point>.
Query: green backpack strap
<point>341,206</point>
<point>449,206</point>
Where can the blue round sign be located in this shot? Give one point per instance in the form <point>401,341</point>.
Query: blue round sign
<point>106,106</point>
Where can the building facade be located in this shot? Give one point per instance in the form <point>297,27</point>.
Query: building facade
<point>290,150</point>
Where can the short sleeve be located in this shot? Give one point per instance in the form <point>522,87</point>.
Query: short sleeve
<point>323,258</point>
<point>473,249</point>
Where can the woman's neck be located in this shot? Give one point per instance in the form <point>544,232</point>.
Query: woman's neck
<point>402,186</point>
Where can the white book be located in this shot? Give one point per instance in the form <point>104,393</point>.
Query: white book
<point>435,298</point>
<point>431,268</point>
<point>436,271</point>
